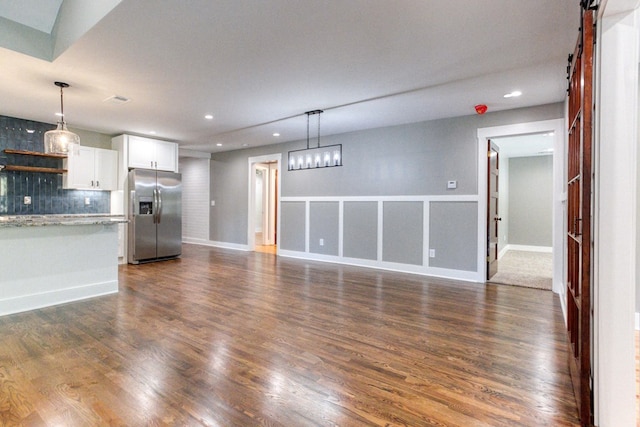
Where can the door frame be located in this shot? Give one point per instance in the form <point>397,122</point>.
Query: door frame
<point>559,194</point>
<point>251,223</point>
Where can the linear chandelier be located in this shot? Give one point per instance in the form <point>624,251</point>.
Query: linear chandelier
<point>315,157</point>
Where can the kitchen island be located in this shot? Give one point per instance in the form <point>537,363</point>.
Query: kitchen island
<point>53,259</point>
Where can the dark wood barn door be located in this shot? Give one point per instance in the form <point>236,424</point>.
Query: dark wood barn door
<point>579,196</point>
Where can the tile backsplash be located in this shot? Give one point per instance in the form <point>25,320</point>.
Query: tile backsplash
<point>44,189</point>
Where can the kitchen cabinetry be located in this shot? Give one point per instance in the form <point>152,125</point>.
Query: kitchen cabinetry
<point>90,168</point>
<point>152,154</point>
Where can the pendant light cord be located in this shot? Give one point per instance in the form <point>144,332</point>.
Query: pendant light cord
<point>318,130</point>
<point>61,105</point>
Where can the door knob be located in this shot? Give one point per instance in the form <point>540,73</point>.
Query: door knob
<point>497,219</point>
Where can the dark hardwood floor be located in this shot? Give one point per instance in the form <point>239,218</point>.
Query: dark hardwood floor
<point>227,338</point>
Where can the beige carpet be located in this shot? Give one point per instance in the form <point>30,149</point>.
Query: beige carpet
<point>523,268</point>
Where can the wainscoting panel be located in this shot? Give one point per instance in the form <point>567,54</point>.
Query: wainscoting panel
<point>402,232</point>
<point>360,238</point>
<point>324,223</point>
<point>386,232</point>
<point>292,237</point>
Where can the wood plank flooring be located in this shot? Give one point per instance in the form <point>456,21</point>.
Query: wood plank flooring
<point>228,338</point>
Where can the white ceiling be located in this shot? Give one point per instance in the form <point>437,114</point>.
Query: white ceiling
<point>257,66</point>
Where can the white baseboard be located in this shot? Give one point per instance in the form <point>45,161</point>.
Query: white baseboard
<point>467,276</point>
<point>545,249</point>
<point>60,296</point>
<point>223,245</point>
<point>502,252</point>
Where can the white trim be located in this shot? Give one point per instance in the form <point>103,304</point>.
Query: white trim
<point>380,236</point>
<point>528,248</point>
<point>426,207</point>
<point>484,134</point>
<point>307,225</point>
<point>251,194</point>
<point>615,210</point>
<point>467,276</point>
<point>59,296</point>
<point>222,245</point>
<point>637,321</point>
<point>340,228</point>
<point>502,252</point>
<point>432,198</point>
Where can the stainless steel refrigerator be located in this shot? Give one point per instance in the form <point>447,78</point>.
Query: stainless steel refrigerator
<point>155,215</point>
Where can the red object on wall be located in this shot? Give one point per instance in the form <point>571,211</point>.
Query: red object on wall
<point>481,109</point>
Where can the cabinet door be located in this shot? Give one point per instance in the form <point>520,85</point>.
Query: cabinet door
<point>80,169</point>
<point>142,152</point>
<point>106,169</point>
<point>166,156</point>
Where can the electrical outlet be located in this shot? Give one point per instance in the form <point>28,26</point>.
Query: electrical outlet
<point>27,200</point>
<point>432,253</point>
<point>321,242</point>
<point>87,201</point>
<point>213,203</point>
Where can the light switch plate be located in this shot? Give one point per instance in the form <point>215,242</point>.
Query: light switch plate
<point>27,200</point>
<point>452,185</point>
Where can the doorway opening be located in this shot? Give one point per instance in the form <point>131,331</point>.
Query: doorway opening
<point>558,222</point>
<point>524,213</point>
<point>264,212</point>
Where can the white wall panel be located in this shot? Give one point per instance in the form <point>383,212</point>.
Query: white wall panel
<point>195,199</point>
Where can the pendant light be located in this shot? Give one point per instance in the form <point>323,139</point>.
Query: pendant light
<point>60,140</point>
<point>318,156</point>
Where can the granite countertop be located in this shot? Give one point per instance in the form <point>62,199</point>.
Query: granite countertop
<point>43,220</point>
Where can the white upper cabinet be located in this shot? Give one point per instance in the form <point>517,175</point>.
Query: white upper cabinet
<point>90,168</point>
<point>152,154</point>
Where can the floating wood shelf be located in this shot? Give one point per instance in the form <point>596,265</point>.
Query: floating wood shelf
<point>35,153</point>
<point>33,169</point>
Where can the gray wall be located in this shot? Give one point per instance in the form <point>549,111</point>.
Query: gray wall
<point>402,232</point>
<point>323,225</point>
<point>531,201</point>
<point>361,230</point>
<point>413,159</point>
<point>292,236</point>
<point>453,234</point>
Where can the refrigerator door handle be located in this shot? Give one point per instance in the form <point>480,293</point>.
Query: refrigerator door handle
<point>155,206</point>
<point>132,222</point>
<point>159,206</point>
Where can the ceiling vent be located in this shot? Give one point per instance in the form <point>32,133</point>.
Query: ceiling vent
<point>117,99</point>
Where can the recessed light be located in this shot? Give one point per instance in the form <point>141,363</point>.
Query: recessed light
<point>209,116</point>
<point>276,134</point>
<point>152,132</point>
<point>59,114</point>
<point>218,145</point>
<point>513,94</point>
<point>31,130</point>
<point>245,145</point>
